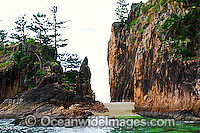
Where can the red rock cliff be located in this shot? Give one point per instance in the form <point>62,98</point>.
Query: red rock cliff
<point>147,61</point>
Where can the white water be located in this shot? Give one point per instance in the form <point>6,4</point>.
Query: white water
<point>6,127</point>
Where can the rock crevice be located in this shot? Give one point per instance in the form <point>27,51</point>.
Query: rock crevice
<point>144,70</point>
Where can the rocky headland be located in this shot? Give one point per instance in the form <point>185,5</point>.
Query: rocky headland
<point>154,60</point>
<point>34,84</point>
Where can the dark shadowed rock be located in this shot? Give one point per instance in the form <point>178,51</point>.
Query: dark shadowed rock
<point>49,98</point>
<point>83,86</point>
<point>50,79</point>
<point>43,94</point>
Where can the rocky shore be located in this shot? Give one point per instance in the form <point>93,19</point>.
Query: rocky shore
<point>177,115</point>
<point>49,98</point>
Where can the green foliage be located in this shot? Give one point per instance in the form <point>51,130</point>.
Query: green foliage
<point>32,62</point>
<point>127,26</point>
<point>20,58</point>
<point>30,87</point>
<point>17,56</point>
<point>31,71</point>
<point>148,18</point>
<point>197,46</point>
<point>7,62</point>
<point>65,88</point>
<point>147,49</point>
<point>141,30</point>
<point>132,40</point>
<point>40,25</point>
<point>3,36</point>
<point>121,11</point>
<point>1,48</point>
<point>129,64</point>
<point>30,40</point>
<point>69,61</point>
<point>24,58</point>
<point>156,8</point>
<point>118,57</point>
<point>190,3</point>
<point>146,8</point>
<point>186,53</point>
<point>163,3</point>
<point>179,30</point>
<point>129,59</point>
<point>134,22</point>
<point>69,77</point>
<point>169,22</point>
<point>48,53</point>
<point>52,64</point>
<point>40,73</point>
<point>46,33</point>
<point>20,34</point>
<point>9,52</point>
<point>57,41</point>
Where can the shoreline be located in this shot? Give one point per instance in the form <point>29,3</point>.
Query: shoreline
<point>118,109</point>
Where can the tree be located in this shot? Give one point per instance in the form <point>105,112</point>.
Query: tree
<point>20,34</point>
<point>58,42</point>
<point>69,60</point>
<point>40,26</point>
<point>3,36</point>
<point>122,11</point>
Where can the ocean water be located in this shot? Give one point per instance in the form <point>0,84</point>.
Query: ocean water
<point>6,127</point>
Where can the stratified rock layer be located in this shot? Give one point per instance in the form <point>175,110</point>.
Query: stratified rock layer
<point>156,82</point>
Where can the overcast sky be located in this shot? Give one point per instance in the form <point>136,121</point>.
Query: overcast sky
<point>88,30</point>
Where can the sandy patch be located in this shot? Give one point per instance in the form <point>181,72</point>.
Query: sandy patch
<point>118,109</point>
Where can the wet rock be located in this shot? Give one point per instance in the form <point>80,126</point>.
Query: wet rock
<point>177,115</point>
<point>74,111</point>
<point>44,108</point>
<point>98,107</point>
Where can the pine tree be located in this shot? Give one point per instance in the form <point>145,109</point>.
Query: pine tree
<point>71,61</point>
<point>57,40</point>
<point>122,11</point>
<point>3,36</point>
<point>20,34</point>
<point>40,26</point>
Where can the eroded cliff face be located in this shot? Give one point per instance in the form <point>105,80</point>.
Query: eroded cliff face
<point>143,66</point>
<point>19,72</point>
<point>50,97</point>
<point>11,78</point>
<point>33,82</point>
